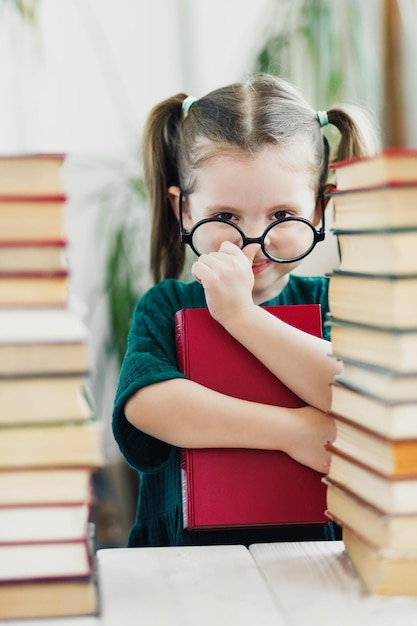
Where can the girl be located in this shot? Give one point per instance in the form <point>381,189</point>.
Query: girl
<point>252,160</point>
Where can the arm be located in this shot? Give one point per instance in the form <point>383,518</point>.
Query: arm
<point>303,365</point>
<point>186,414</point>
<point>300,360</point>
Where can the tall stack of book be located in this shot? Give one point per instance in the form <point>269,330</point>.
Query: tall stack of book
<point>50,440</point>
<point>372,481</point>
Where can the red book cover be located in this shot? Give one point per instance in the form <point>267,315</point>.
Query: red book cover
<point>244,487</point>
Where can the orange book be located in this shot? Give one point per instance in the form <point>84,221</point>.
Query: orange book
<point>244,487</point>
<point>33,256</point>
<point>44,289</point>
<point>31,218</point>
<point>31,175</point>
<point>53,598</point>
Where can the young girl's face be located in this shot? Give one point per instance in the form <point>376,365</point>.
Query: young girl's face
<point>253,192</point>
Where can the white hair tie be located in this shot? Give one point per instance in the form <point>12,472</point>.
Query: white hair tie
<point>323,118</point>
<point>187,103</point>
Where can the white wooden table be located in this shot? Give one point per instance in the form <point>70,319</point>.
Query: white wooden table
<point>275,584</point>
<point>314,584</point>
<point>204,585</point>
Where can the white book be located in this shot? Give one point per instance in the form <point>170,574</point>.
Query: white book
<point>42,341</point>
<point>41,325</point>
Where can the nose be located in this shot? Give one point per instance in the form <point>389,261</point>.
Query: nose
<point>255,229</point>
<point>254,235</point>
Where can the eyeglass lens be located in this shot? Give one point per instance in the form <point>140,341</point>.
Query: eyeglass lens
<point>283,242</point>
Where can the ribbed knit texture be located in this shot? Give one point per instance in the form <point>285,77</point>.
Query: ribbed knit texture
<point>151,358</point>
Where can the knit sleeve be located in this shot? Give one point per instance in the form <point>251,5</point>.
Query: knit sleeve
<point>150,358</point>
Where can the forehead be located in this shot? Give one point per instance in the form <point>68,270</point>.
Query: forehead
<point>272,170</point>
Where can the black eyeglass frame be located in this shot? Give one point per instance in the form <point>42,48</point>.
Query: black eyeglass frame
<point>319,235</point>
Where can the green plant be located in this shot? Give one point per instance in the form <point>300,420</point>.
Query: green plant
<point>327,47</point>
<point>125,272</point>
<point>122,275</point>
<point>108,201</point>
<point>26,9</point>
<point>121,238</point>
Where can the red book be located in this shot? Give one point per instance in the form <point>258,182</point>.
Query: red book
<point>244,487</point>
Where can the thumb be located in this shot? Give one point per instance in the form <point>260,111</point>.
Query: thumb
<point>250,250</point>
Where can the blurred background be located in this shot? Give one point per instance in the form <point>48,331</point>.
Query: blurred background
<point>80,76</point>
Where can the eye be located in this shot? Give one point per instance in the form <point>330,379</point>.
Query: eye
<point>280,215</point>
<point>227,217</point>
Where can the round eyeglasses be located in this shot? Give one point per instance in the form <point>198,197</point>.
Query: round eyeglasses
<point>283,241</point>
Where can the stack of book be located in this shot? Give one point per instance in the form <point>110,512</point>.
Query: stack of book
<point>372,481</point>
<point>50,438</point>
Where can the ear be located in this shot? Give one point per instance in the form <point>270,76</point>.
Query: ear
<point>328,190</point>
<point>317,212</point>
<point>174,198</point>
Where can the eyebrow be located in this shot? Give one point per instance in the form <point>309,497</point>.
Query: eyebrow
<point>215,208</point>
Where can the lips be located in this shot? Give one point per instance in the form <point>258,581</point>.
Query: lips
<point>260,266</point>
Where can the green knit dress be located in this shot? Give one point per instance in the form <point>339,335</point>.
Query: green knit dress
<point>150,358</point>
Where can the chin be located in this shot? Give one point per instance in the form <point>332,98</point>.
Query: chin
<point>265,290</point>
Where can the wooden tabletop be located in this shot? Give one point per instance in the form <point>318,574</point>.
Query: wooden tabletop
<point>271,584</point>
<point>314,584</point>
<point>184,586</point>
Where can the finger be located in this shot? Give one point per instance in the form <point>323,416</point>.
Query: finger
<point>203,268</point>
<point>195,272</point>
<point>250,250</point>
<point>229,247</point>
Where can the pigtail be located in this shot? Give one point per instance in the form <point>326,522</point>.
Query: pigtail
<point>358,133</point>
<point>159,150</point>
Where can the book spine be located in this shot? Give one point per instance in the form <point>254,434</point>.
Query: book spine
<point>184,488</point>
<point>56,198</point>
<point>33,243</point>
<point>64,273</point>
<point>180,337</point>
<point>179,322</point>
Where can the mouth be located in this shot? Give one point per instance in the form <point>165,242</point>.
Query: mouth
<point>260,265</point>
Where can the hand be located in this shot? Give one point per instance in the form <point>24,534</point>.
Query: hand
<point>227,279</point>
<point>311,431</point>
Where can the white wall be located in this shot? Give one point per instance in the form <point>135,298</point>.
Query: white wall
<point>408,20</point>
<point>84,81</point>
